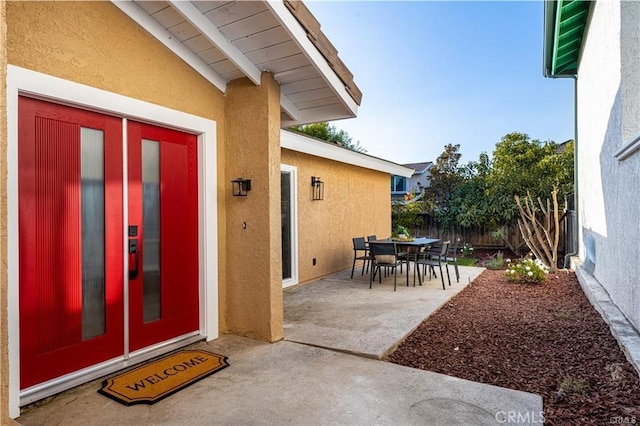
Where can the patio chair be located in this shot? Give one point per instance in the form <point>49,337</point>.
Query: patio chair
<point>435,259</point>
<point>452,256</point>
<point>409,254</point>
<point>360,246</point>
<point>427,253</point>
<point>384,255</point>
<point>375,238</point>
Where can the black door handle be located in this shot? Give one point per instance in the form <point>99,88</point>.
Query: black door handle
<point>133,265</point>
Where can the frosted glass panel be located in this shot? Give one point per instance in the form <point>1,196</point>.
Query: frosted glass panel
<point>151,230</point>
<point>93,239</point>
<point>285,205</point>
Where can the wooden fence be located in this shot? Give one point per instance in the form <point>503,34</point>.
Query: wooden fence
<point>482,237</point>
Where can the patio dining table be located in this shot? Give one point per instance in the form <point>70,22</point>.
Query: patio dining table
<point>415,242</point>
<point>407,245</point>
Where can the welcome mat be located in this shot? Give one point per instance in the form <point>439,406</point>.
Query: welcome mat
<point>156,380</point>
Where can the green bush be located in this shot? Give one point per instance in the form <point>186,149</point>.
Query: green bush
<point>527,271</point>
<point>408,215</point>
<point>496,261</point>
<point>400,230</point>
<point>571,385</point>
<point>467,250</point>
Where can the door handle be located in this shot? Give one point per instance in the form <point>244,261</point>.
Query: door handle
<point>134,256</point>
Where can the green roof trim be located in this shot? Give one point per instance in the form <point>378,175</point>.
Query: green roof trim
<point>564,26</point>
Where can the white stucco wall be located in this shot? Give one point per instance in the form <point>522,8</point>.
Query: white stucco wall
<point>608,104</point>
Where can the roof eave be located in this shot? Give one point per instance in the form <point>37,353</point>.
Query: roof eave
<point>555,12</point>
<point>549,31</point>
<point>298,33</point>
<point>312,146</point>
<point>322,56</point>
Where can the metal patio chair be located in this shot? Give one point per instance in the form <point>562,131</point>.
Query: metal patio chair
<point>385,255</point>
<point>452,256</point>
<point>360,246</point>
<point>432,259</point>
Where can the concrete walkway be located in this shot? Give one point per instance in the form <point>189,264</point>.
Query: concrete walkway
<point>345,314</point>
<point>294,383</point>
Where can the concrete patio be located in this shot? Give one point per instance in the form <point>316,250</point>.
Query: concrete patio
<point>344,314</point>
<point>325,372</point>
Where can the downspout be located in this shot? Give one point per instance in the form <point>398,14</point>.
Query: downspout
<point>568,256</point>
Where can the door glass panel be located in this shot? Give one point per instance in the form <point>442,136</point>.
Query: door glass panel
<point>285,188</point>
<point>93,238</point>
<point>151,230</point>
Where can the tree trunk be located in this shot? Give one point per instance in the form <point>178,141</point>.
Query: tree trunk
<point>540,227</point>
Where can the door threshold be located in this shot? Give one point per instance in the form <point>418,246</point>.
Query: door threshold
<point>77,378</point>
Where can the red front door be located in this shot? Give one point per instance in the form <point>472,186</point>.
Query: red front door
<point>70,235</point>
<point>163,237</point>
<point>71,228</point>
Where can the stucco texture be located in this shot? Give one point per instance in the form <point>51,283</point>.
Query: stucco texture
<point>94,43</point>
<point>4,361</point>
<point>254,270</point>
<point>608,102</point>
<point>356,204</point>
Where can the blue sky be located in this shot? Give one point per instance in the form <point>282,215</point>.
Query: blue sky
<point>434,73</point>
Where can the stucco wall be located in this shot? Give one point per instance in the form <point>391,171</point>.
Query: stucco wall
<point>4,362</point>
<point>608,102</point>
<point>254,274</point>
<point>94,43</point>
<point>356,204</point>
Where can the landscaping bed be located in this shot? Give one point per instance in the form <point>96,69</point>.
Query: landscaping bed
<point>544,338</point>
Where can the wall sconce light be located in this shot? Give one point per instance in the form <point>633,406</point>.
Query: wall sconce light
<point>318,188</point>
<point>241,187</point>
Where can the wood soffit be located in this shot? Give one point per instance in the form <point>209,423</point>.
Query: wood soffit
<point>225,40</point>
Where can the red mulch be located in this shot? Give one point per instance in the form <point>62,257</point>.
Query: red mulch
<point>530,338</point>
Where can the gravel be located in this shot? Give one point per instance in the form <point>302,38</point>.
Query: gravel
<point>545,338</point>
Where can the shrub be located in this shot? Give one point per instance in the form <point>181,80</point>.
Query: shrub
<point>496,261</point>
<point>406,214</point>
<point>467,250</point>
<point>571,385</point>
<point>400,230</point>
<point>528,271</point>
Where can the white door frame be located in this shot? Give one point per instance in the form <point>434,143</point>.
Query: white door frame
<point>46,87</point>
<point>293,173</point>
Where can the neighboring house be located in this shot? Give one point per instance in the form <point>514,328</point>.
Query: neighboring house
<point>125,124</point>
<point>596,43</point>
<point>419,180</point>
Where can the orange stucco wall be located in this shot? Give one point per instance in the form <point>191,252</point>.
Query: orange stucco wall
<point>356,204</point>
<point>254,271</point>
<point>94,43</point>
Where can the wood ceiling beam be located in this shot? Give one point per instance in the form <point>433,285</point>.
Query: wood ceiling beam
<point>213,34</point>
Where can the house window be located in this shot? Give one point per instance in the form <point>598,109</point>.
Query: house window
<point>398,184</point>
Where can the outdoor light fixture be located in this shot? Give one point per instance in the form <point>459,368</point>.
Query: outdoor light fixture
<point>317,188</point>
<point>241,187</point>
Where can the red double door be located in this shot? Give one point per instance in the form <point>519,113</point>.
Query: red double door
<point>76,229</point>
